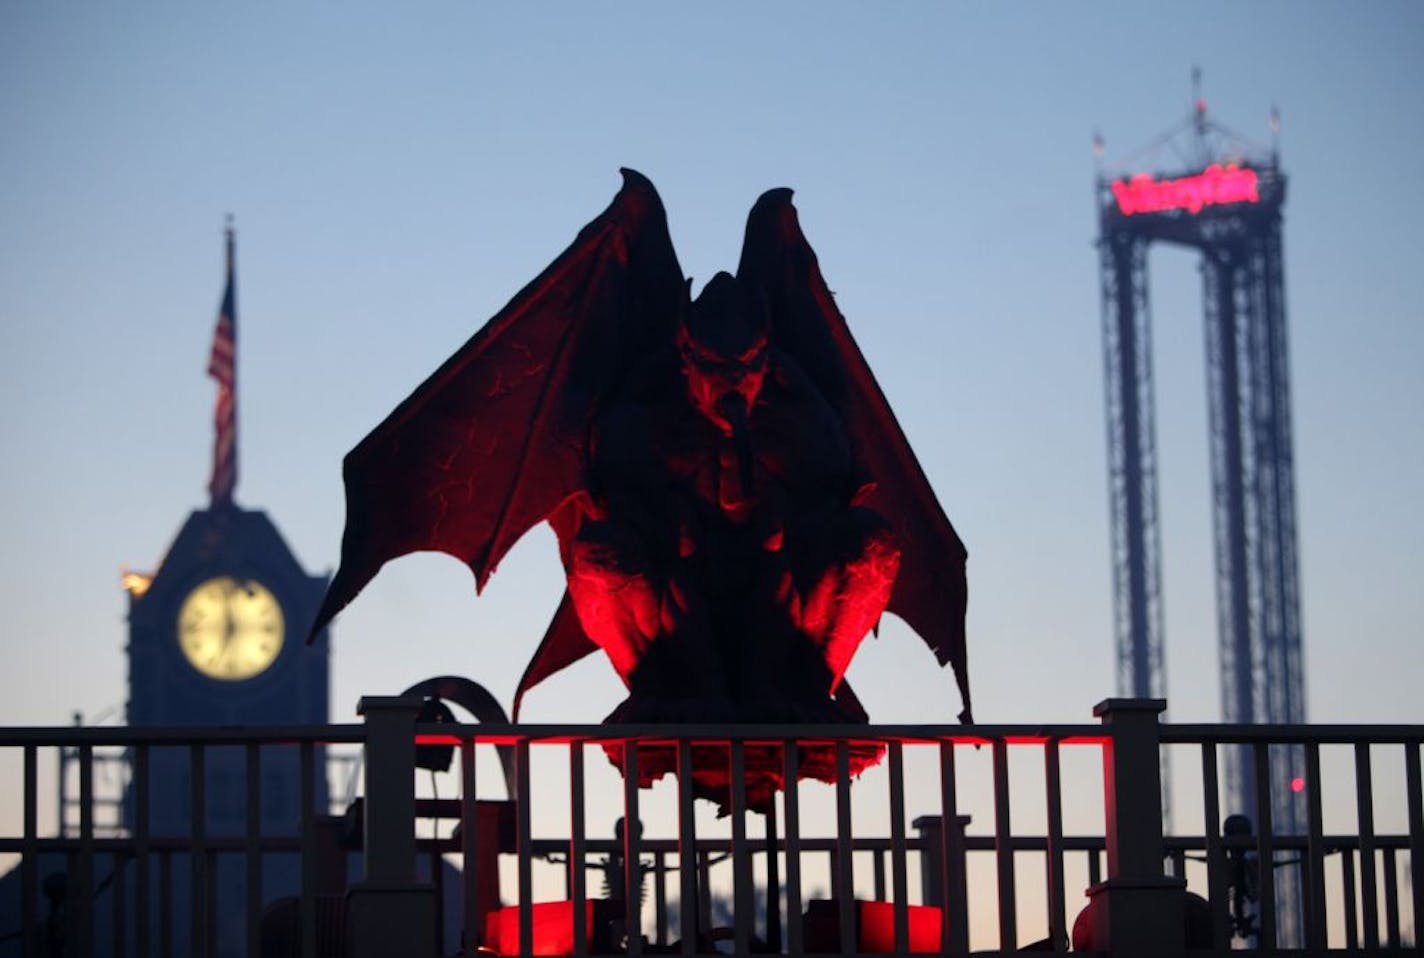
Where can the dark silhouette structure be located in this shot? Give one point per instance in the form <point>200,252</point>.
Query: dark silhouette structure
<point>1227,204</point>
<point>735,503</point>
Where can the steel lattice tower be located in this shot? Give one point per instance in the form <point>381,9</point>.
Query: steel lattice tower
<point>1225,201</point>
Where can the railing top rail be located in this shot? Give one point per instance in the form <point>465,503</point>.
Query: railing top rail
<point>770,733</point>
<point>495,733</point>
<point>1196,734</point>
<point>125,735</point>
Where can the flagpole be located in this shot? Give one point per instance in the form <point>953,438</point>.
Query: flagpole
<point>222,366</point>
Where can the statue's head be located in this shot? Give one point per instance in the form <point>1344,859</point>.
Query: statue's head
<point>723,343</point>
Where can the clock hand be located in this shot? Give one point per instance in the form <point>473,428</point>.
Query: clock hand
<point>229,626</point>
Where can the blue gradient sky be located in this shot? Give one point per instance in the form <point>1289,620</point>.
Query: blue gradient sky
<point>396,176</point>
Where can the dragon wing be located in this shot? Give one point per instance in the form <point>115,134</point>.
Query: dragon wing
<point>496,439</point>
<point>930,593</point>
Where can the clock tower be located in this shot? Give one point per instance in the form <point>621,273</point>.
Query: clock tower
<point>217,636</point>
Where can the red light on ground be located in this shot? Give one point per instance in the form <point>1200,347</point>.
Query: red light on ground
<point>553,927</point>
<point>877,928</point>
<point>1297,784</point>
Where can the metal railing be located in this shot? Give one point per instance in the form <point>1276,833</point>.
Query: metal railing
<point>847,866</point>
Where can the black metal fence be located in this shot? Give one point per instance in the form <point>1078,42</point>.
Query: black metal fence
<point>202,858</point>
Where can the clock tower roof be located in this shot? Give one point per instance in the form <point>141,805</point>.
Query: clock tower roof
<point>169,686</point>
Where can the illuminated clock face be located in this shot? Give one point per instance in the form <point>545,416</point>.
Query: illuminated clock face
<point>230,629</point>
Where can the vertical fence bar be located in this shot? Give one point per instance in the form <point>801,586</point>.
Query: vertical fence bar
<point>632,853</point>
<point>744,907</point>
<point>899,869</point>
<point>1364,797</point>
<point>81,897</point>
<point>524,845</point>
<point>578,848</point>
<point>660,913</point>
<point>1265,845</point>
<point>877,875</point>
<point>1004,849</point>
<point>165,904</point>
<point>689,902</point>
<point>119,897</point>
<point>61,798</point>
<point>791,807</point>
<point>844,870</point>
<point>306,904</point>
<point>253,848</point>
<point>469,849</point>
<point>773,876</point>
<point>142,895</point>
<point>1391,899</point>
<point>954,881</point>
<point>29,862</point>
<point>1215,858</point>
<point>1057,899</point>
<point>1416,837</point>
<point>1315,922</point>
<point>1347,879</point>
<point>437,881</point>
<point>704,893</point>
<point>198,852</point>
<point>212,903</point>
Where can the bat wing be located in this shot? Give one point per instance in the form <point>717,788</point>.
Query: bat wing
<point>565,642</point>
<point>930,592</point>
<point>497,438</point>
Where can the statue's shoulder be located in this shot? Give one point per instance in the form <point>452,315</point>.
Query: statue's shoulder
<point>657,378</point>
<point>790,384</point>
<point>653,391</point>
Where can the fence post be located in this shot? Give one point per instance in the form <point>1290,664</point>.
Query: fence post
<point>942,866</point>
<point>1138,910</point>
<point>932,843</point>
<point>390,912</point>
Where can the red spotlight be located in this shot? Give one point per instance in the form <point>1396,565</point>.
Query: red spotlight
<point>1297,784</point>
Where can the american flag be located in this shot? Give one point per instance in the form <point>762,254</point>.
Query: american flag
<point>222,366</point>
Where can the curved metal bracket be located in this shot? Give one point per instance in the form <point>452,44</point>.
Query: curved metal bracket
<point>477,700</point>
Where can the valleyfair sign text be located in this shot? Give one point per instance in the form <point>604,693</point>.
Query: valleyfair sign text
<point>1214,186</point>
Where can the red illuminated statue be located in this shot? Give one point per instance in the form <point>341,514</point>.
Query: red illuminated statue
<point>734,501</point>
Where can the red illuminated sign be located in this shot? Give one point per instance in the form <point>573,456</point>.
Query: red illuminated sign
<point>1214,186</point>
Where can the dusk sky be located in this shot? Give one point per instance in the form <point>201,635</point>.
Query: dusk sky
<point>397,173</point>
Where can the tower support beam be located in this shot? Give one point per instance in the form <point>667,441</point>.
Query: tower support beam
<point>1132,458</point>
<point>1132,453</point>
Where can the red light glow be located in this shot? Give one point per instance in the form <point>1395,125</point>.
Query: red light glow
<point>1297,784</point>
<point>877,928</point>
<point>553,926</point>
<point>1214,186</point>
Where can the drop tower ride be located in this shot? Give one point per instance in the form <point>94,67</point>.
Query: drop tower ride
<point>1222,198</point>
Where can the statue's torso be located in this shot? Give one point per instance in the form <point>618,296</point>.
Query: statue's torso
<point>663,467</point>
